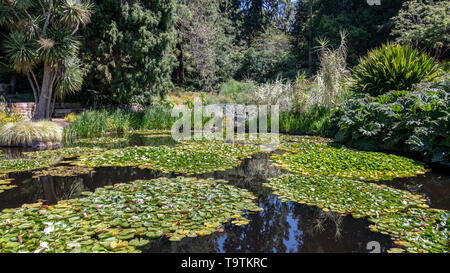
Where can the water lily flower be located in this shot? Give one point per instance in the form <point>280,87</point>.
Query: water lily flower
<point>140,201</point>
<point>99,206</point>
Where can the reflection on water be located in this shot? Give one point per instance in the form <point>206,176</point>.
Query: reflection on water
<point>435,187</point>
<point>281,227</point>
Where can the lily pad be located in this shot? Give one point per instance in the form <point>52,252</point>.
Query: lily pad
<point>316,156</point>
<point>113,219</point>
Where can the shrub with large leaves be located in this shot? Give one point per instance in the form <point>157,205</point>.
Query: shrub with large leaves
<point>416,122</point>
<point>393,67</point>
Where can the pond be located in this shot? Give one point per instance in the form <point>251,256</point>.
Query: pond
<point>282,226</point>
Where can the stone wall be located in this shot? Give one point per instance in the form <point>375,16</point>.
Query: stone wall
<point>26,109</point>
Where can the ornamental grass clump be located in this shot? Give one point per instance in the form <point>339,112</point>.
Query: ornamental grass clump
<point>23,133</point>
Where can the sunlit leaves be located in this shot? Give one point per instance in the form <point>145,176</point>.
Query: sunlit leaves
<point>188,159</point>
<point>117,218</point>
<point>343,195</point>
<point>316,157</point>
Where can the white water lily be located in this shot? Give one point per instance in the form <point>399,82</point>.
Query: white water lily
<point>50,228</point>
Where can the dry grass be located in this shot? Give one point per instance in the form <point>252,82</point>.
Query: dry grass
<point>24,132</point>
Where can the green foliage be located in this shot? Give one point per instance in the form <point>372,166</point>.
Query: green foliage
<point>424,25</point>
<point>400,214</point>
<point>367,26</point>
<point>317,157</point>
<point>23,133</point>
<point>341,195</point>
<point>268,56</point>
<point>420,230</point>
<point>128,51</point>
<point>240,92</point>
<point>415,122</point>
<point>189,159</point>
<point>314,120</point>
<point>331,74</point>
<point>103,122</point>
<point>42,36</point>
<point>393,67</point>
<point>123,217</point>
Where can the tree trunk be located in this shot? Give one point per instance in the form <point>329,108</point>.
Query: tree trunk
<point>12,83</point>
<point>35,93</point>
<point>45,96</point>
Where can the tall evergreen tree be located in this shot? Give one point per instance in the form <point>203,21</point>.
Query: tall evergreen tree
<point>129,50</point>
<point>367,25</point>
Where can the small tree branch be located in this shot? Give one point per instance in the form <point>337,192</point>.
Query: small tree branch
<point>76,29</point>
<point>32,22</point>
<point>36,82</point>
<point>36,96</point>
<point>47,18</point>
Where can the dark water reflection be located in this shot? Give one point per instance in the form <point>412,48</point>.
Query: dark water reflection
<point>281,227</point>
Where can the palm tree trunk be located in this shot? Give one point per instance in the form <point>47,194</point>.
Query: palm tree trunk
<point>45,96</point>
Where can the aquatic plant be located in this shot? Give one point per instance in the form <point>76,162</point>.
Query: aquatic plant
<point>186,159</point>
<point>5,184</point>
<point>43,159</point>
<point>23,133</point>
<point>63,171</point>
<point>25,164</point>
<point>400,214</point>
<point>316,158</point>
<point>416,229</point>
<point>343,195</point>
<point>122,217</point>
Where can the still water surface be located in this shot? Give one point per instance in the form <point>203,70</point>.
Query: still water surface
<point>282,227</point>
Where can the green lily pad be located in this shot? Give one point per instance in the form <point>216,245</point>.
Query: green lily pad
<point>111,218</point>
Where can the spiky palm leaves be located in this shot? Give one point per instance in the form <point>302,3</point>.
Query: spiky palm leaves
<point>42,32</point>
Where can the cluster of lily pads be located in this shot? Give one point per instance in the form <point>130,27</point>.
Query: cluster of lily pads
<point>43,159</point>
<point>123,217</point>
<point>344,195</point>
<point>311,157</point>
<point>5,184</point>
<point>400,214</point>
<point>193,158</point>
<point>325,175</point>
<point>416,229</point>
<point>63,171</point>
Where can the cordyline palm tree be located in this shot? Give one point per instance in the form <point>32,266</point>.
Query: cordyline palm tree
<point>42,34</point>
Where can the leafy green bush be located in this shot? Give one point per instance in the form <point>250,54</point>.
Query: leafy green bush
<point>241,92</point>
<point>416,122</point>
<point>393,67</point>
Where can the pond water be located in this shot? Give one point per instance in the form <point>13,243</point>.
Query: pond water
<point>283,227</point>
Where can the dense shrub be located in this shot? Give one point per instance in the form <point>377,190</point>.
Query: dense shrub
<point>416,122</point>
<point>241,92</point>
<point>393,67</point>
